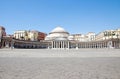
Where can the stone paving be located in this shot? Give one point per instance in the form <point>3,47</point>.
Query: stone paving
<point>59,64</point>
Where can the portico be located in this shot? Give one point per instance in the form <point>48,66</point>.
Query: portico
<point>58,38</point>
<point>57,44</point>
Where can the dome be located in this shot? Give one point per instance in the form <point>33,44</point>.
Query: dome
<point>58,29</point>
<point>58,33</point>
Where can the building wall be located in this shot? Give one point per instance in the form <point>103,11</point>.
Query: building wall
<point>112,34</point>
<point>99,36</point>
<point>108,34</point>
<point>33,35</point>
<point>110,43</point>
<point>41,36</point>
<point>76,36</point>
<point>20,35</point>
<point>84,38</point>
<point>2,32</point>
<point>91,36</point>
<point>29,35</point>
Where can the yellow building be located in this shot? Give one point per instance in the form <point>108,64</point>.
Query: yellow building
<point>33,35</point>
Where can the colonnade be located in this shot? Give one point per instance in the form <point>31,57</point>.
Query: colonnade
<point>60,44</point>
<point>102,44</point>
<point>93,45</point>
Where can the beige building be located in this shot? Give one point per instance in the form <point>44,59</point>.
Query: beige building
<point>33,35</point>
<point>108,34</point>
<point>112,34</point>
<point>29,35</point>
<point>21,35</point>
<point>99,36</point>
<point>84,38</point>
<point>91,36</point>
<point>76,37</point>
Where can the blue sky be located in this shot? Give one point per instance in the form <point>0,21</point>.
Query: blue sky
<point>75,16</point>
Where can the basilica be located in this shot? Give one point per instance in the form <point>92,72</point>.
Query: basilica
<point>59,38</point>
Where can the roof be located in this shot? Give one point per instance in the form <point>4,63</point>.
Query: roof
<point>58,29</point>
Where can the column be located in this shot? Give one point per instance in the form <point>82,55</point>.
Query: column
<point>88,45</point>
<point>102,44</point>
<point>12,44</point>
<point>56,43</point>
<point>79,45</point>
<point>52,44</point>
<point>48,46</point>
<point>68,44</point>
<point>63,44</point>
<point>59,44</point>
<point>96,45</point>
<point>92,45</point>
<point>114,45</point>
<point>85,45</point>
